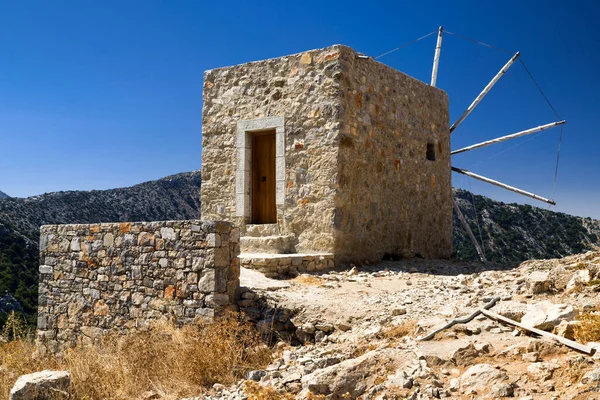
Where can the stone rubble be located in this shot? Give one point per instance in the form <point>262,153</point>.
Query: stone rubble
<point>347,347</point>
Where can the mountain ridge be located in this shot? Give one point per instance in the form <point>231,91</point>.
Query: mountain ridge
<point>173,197</point>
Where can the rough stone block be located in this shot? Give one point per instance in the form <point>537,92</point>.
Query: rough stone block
<point>46,269</point>
<point>42,385</point>
<point>221,257</point>
<point>206,284</point>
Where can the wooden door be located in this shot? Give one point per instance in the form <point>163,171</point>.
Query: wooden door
<point>263,179</point>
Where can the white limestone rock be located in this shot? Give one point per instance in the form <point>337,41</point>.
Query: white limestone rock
<point>479,378</point>
<point>539,282</point>
<point>511,309</point>
<point>578,279</point>
<point>41,386</point>
<point>592,376</point>
<point>546,315</point>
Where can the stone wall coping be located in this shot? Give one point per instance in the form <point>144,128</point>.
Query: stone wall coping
<point>276,256</point>
<point>332,47</point>
<point>150,223</point>
<point>324,49</point>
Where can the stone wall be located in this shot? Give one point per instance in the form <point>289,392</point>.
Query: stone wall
<point>303,91</point>
<point>392,199</point>
<point>119,276</point>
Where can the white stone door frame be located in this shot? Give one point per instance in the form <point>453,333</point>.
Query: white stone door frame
<point>243,168</point>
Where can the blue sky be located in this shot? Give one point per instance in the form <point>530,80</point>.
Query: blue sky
<point>102,94</point>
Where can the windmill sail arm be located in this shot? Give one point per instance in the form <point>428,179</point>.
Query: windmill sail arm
<point>508,137</point>
<point>484,92</point>
<point>503,185</point>
<point>465,225</point>
<point>436,57</point>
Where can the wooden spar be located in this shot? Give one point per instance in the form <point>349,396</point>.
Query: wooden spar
<point>462,219</point>
<point>508,137</point>
<point>574,345</point>
<point>436,57</point>
<point>484,91</point>
<point>503,185</point>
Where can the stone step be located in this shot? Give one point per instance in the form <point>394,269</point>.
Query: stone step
<point>267,244</point>
<point>257,230</point>
<point>287,265</point>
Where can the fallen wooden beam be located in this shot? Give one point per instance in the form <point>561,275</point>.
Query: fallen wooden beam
<point>461,320</point>
<point>574,345</point>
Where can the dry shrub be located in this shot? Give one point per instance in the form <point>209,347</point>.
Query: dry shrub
<point>397,393</point>
<point>16,350</point>
<point>363,347</point>
<point>169,361</point>
<point>255,391</point>
<point>406,328</point>
<point>15,327</point>
<point>588,328</point>
<point>16,359</point>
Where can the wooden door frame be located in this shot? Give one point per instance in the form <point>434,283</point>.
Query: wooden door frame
<point>243,170</point>
<point>262,198</point>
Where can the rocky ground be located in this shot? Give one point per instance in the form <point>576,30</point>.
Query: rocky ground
<point>355,333</point>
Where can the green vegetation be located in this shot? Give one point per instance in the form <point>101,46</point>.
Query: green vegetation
<point>18,274</point>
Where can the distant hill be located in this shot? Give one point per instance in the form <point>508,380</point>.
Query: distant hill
<point>173,197</point>
<point>3,195</point>
<point>512,233</point>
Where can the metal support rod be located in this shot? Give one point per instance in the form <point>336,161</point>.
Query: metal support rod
<point>484,91</point>
<point>503,185</point>
<point>462,219</point>
<point>508,137</point>
<point>436,57</point>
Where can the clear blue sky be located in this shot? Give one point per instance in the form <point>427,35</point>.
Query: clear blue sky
<point>102,94</point>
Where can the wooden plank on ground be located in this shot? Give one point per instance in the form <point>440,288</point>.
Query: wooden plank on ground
<point>567,342</point>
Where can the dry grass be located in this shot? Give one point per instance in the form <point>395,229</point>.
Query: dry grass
<point>169,361</point>
<point>310,280</point>
<point>574,371</point>
<point>588,328</point>
<point>406,328</point>
<point>255,391</point>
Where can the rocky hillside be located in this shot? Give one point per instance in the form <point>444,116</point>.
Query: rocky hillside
<point>173,197</point>
<point>512,233</point>
<point>364,333</point>
<point>3,195</point>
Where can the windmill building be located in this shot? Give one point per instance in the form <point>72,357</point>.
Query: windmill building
<point>326,157</point>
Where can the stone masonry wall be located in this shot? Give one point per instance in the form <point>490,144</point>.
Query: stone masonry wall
<point>304,90</point>
<point>392,199</point>
<point>120,276</point>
